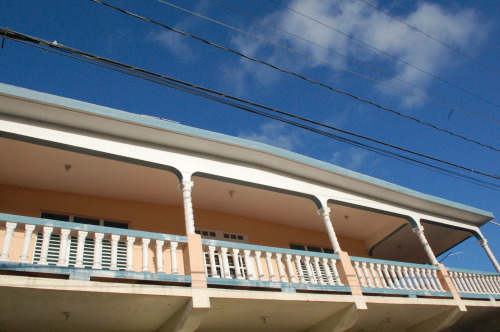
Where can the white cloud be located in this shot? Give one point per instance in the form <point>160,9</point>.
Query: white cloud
<point>354,159</point>
<point>274,133</point>
<point>460,28</point>
<point>175,44</point>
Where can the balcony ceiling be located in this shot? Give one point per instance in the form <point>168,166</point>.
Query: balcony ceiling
<point>41,167</point>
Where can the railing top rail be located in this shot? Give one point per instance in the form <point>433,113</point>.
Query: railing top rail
<point>90,228</point>
<point>382,261</point>
<point>454,269</point>
<point>254,247</point>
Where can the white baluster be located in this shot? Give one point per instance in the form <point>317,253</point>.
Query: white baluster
<point>98,251</point>
<point>396,282</point>
<point>281,271</point>
<point>317,269</point>
<point>7,240</point>
<point>407,277</point>
<point>333,264</point>
<point>160,267</point>
<point>236,262</point>
<point>374,275</point>
<point>366,274</point>
<point>130,253</point>
<point>438,283</point>
<point>381,275</point>
<point>484,284</point>
<point>47,232</point>
<point>310,274</point>
<point>114,252</point>
<point>249,265</point>
<point>289,267</point>
<point>213,266</point>
<point>225,263</point>
<point>457,282</point>
<point>493,285</point>
<point>421,281</point>
<point>431,279</point>
<point>298,265</point>
<point>329,277</point>
<point>26,243</point>
<point>63,249</point>
<point>413,278</point>
<point>390,281</point>
<point>259,265</point>
<point>270,266</point>
<point>173,257</point>
<point>360,274</point>
<point>476,283</point>
<point>145,254</point>
<point>401,279</point>
<point>82,235</point>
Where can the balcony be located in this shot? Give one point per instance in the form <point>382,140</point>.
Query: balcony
<point>50,248</point>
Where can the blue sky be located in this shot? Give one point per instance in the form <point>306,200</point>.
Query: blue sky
<point>470,27</point>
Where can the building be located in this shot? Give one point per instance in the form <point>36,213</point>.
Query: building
<point>112,221</point>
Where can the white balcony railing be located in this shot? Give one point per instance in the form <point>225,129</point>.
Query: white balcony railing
<point>44,242</point>
<point>473,282</point>
<point>373,273</point>
<point>227,260</point>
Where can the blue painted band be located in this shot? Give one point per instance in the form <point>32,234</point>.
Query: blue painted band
<point>479,296</point>
<point>381,261</point>
<point>90,228</point>
<point>275,284</point>
<point>454,269</point>
<point>405,292</point>
<point>245,246</point>
<point>86,273</point>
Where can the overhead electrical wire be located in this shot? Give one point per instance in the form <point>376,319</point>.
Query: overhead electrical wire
<point>350,58</point>
<point>291,73</point>
<point>329,64</point>
<point>239,103</point>
<point>385,53</point>
<point>454,49</point>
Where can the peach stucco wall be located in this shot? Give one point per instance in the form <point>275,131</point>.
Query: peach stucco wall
<point>163,219</point>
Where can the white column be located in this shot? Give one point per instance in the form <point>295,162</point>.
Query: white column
<point>173,257</point>
<point>7,240</point>
<point>484,244</point>
<point>47,232</point>
<point>80,248</point>
<point>145,254</point>
<point>281,272</point>
<point>420,233</point>
<point>325,213</point>
<point>114,252</point>
<point>249,265</point>
<point>225,264</point>
<point>63,249</point>
<point>27,242</point>
<point>298,265</point>
<point>236,262</point>
<point>98,251</point>
<point>130,253</point>
<point>291,274</point>
<point>160,268</point>
<point>186,187</point>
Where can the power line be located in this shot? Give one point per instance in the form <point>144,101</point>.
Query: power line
<point>385,53</point>
<point>238,103</point>
<point>353,59</point>
<point>448,107</point>
<point>431,37</point>
<point>291,73</point>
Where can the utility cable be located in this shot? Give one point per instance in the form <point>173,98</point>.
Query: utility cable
<point>430,36</point>
<point>291,73</point>
<point>385,53</point>
<point>387,85</point>
<point>350,58</point>
<point>216,96</point>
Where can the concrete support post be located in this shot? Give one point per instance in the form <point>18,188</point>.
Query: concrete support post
<point>186,187</point>
<point>196,260</point>
<point>325,213</point>
<point>484,243</point>
<point>419,230</point>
